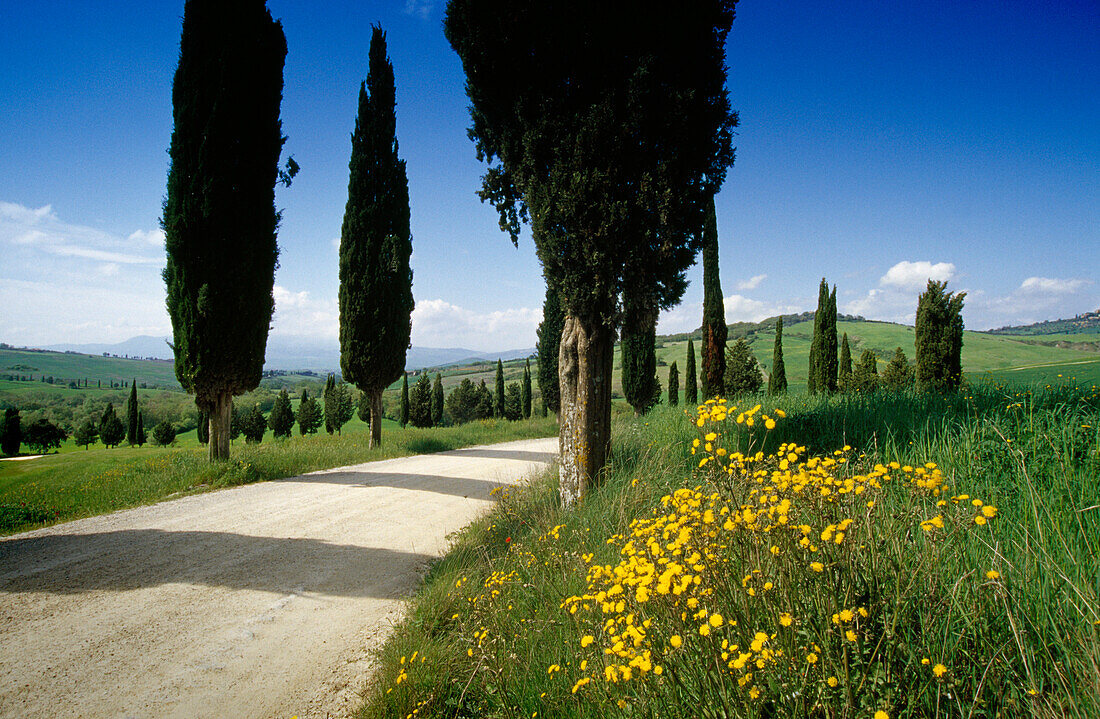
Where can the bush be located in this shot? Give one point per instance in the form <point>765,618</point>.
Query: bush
<point>164,434</point>
<point>43,435</point>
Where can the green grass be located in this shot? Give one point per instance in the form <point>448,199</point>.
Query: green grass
<point>69,485</point>
<point>491,633</point>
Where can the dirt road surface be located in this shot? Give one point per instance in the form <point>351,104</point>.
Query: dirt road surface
<point>258,601</point>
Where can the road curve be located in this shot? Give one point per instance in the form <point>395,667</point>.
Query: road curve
<point>258,601</point>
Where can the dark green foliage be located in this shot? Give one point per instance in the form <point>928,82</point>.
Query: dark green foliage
<point>777,380</point>
<point>549,342</point>
<point>219,211</point>
<point>639,358</point>
<point>42,435</point>
<point>829,364</point>
<point>420,402</point>
<point>253,425</point>
<point>939,338</point>
<point>86,434</point>
<point>404,409</point>
<point>865,377</point>
<point>309,414</point>
<point>330,386</point>
<point>844,373</point>
<point>235,420</point>
<point>164,434</point>
<point>742,370</point>
<point>484,401</point>
<point>111,429</point>
<point>203,428</point>
<point>715,330</point>
<point>822,375</point>
<point>526,390</point>
<point>898,374</point>
<point>498,397</point>
<point>464,403</point>
<point>437,400</point>
<point>673,385</point>
<point>11,435</point>
<point>362,407</point>
<point>281,420</point>
<point>132,415</point>
<point>376,300</point>
<point>342,408</point>
<point>141,439</point>
<point>513,402</point>
<point>691,389</point>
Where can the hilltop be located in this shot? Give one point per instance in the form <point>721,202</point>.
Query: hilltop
<point>1087,323</point>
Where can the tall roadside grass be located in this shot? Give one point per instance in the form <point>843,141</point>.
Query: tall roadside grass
<point>67,486</point>
<point>744,563</point>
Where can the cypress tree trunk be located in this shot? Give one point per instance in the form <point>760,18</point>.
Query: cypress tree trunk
<point>584,366</point>
<point>221,415</point>
<point>715,331</point>
<point>375,398</point>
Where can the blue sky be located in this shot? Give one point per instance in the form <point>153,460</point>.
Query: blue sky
<point>880,144</point>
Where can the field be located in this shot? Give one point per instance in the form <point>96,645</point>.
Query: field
<point>892,555</point>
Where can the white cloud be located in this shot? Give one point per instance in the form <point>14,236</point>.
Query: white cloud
<point>149,237</point>
<point>1051,286</point>
<point>300,315</point>
<point>752,283</point>
<point>688,317</point>
<point>420,8</point>
<point>336,243</point>
<point>907,275</point>
<point>41,230</point>
<point>438,323</point>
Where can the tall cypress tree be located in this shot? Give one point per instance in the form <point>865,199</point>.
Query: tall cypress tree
<point>549,342</point>
<point>815,378</point>
<point>777,380</point>
<point>404,409</point>
<point>281,420</point>
<point>498,395</point>
<point>844,370</point>
<point>691,389</point>
<point>330,403</point>
<point>219,216</point>
<point>132,415</point>
<point>673,385</point>
<point>525,390</point>
<point>828,356</point>
<point>376,300</point>
<point>420,402</point>
<point>939,338</point>
<point>437,400</point>
<point>140,434</point>
<point>715,330</point>
<point>638,348</point>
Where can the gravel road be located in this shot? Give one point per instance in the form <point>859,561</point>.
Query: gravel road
<point>258,601</point>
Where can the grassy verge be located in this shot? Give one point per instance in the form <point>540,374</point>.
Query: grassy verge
<point>945,565</point>
<point>66,486</point>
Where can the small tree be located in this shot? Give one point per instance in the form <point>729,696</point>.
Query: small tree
<point>309,414</point>
<point>673,385</point>
<point>777,380</point>
<point>420,402</point>
<point>11,436</point>
<point>898,374</point>
<point>111,429</point>
<point>132,415</point>
<point>844,373</point>
<point>86,434</point>
<point>343,407</point>
<point>141,438</point>
<point>437,400</point>
<point>164,434</point>
<point>254,425</point>
<point>42,435</point>
<point>549,342</point>
<point>742,370</point>
<point>403,417</point>
<point>638,350</point>
<point>513,402</point>
<point>281,420</point>
<point>526,390</point>
<point>236,416</point>
<point>865,377</point>
<point>939,338</point>
<point>329,399</point>
<point>484,402</point>
<point>462,402</point>
<point>498,398</point>
<point>691,389</point>
<point>822,376</point>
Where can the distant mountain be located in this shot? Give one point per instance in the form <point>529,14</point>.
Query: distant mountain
<point>291,353</point>
<point>1087,322</point>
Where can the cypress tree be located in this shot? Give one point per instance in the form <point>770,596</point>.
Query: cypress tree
<point>898,374</point>
<point>420,402</point>
<point>939,338</point>
<point>111,429</point>
<point>140,430</point>
<point>403,411</point>
<point>219,215</point>
<point>638,348</point>
<point>203,429</point>
<point>549,342</point>
<point>281,420</point>
<point>12,435</point>
<point>254,425</point>
<point>132,415</point>
<point>525,390</point>
<point>513,402</point>
<point>330,403</point>
<point>498,398</point>
<point>691,389</point>
<point>376,300</point>
<point>673,385</point>
<point>715,330</point>
<point>844,373</point>
<point>437,400</point>
<point>742,370</point>
<point>828,356</point>
<point>815,378</point>
<point>343,406</point>
<point>865,377</point>
<point>309,414</point>
<point>777,380</point>
<point>86,434</point>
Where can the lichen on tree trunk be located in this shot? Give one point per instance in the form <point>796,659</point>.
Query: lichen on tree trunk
<point>221,414</point>
<point>375,419</point>
<point>584,370</point>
